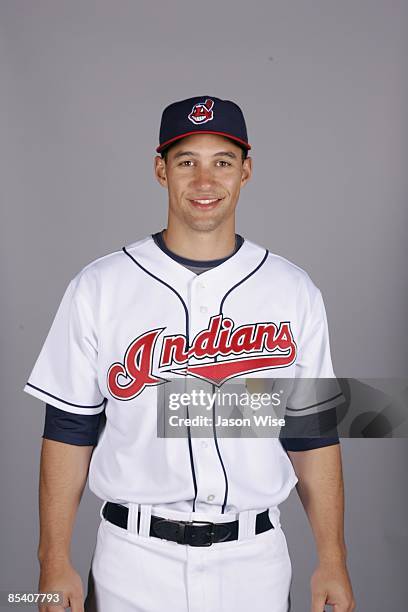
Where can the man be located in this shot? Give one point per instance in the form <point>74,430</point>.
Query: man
<point>188,523</point>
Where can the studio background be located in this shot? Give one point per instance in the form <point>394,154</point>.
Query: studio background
<point>323,86</point>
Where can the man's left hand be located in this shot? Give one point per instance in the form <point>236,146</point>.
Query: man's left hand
<point>330,585</point>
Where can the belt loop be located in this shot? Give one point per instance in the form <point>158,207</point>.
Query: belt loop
<point>133,511</point>
<point>101,510</point>
<point>145,514</point>
<point>246,524</point>
<point>274,516</point>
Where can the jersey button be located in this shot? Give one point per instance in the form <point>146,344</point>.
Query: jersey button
<point>202,285</point>
<point>203,309</point>
<point>204,444</point>
<point>211,497</point>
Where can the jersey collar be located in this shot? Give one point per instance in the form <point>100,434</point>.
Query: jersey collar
<point>221,279</point>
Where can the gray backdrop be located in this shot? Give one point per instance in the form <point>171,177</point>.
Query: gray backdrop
<point>323,85</point>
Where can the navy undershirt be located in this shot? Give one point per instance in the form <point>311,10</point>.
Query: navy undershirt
<point>83,429</point>
<point>197,266</point>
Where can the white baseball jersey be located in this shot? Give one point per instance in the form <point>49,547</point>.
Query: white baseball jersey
<point>134,319</point>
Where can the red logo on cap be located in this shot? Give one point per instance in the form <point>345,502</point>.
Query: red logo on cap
<point>202,112</point>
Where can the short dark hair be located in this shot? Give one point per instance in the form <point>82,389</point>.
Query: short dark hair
<point>165,152</point>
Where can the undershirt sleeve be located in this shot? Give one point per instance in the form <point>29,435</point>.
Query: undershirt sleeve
<point>71,428</point>
<point>311,431</point>
<point>302,444</point>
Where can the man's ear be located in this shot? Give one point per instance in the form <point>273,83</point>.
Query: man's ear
<point>246,170</point>
<point>160,170</point>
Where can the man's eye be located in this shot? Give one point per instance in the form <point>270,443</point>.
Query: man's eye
<point>187,163</point>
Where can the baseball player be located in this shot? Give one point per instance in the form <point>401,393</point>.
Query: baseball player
<point>188,523</point>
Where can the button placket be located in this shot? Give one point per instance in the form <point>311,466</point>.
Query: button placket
<point>210,477</point>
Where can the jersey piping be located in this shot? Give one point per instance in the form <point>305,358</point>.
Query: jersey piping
<point>213,388</point>
<point>190,450</point>
<point>65,401</point>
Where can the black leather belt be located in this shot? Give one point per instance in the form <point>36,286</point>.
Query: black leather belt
<point>194,533</point>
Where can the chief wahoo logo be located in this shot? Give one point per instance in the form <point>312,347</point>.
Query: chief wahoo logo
<point>202,112</point>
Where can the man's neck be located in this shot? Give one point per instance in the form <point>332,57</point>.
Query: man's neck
<point>203,246</point>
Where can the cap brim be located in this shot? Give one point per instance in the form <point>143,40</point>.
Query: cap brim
<point>166,144</point>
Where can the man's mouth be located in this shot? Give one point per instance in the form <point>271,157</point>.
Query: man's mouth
<point>205,203</point>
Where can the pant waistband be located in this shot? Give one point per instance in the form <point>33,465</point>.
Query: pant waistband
<point>193,532</point>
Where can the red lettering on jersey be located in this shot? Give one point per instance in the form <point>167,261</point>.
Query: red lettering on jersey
<point>220,339</point>
<point>205,343</point>
<point>224,347</point>
<point>137,366</point>
<point>174,349</point>
<point>243,341</point>
<point>284,339</point>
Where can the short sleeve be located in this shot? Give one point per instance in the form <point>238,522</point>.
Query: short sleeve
<point>66,371</point>
<point>315,388</point>
<point>314,358</point>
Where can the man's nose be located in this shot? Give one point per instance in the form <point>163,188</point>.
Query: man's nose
<point>203,177</point>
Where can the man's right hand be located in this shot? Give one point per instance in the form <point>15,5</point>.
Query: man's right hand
<point>61,576</point>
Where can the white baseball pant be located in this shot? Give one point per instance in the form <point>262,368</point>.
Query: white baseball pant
<point>134,572</point>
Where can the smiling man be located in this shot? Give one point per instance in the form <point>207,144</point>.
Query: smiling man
<point>188,523</point>
<point>204,174</point>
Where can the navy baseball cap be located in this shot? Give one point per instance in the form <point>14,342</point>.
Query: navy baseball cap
<point>202,115</point>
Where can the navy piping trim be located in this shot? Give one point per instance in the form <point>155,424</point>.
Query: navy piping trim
<point>244,279</point>
<point>188,346</point>
<point>64,401</point>
<point>314,405</point>
<point>215,434</point>
<point>190,450</point>
<point>220,458</point>
<point>163,283</point>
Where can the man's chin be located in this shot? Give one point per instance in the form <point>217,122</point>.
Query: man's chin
<point>204,225</point>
